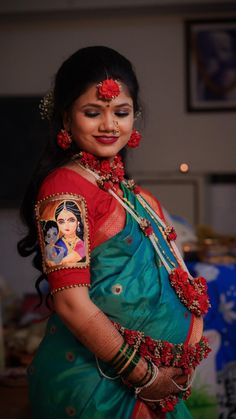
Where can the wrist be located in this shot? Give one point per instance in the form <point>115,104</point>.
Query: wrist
<point>139,372</point>
<point>148,385</point>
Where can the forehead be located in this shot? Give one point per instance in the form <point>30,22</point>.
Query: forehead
<point>52,230</point>
<point>90,96</point>
<point>65,213</point>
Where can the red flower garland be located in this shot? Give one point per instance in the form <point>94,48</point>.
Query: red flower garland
<point>192,293</point>
<point>170,233</point>
<point>165,354</point>
<point>108,89</point>
<point>111,172</point>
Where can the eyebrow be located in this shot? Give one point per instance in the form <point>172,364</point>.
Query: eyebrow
<point>95,105</point>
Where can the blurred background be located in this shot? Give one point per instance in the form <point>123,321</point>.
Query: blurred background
<point>184,53</point>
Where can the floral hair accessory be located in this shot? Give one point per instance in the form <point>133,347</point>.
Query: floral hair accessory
<point>46,105</point>
<point>108,89</point>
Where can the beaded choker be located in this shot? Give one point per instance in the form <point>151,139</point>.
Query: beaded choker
<point>191,291</point>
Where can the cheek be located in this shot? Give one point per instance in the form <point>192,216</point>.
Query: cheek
<point>127,127</point>
<point>83,125</point>
<point>128,124</point>
<point>72,226</point>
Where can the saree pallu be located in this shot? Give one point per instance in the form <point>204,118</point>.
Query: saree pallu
<point>131,286</point>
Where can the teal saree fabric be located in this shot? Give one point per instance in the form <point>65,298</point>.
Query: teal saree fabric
<point>131,286</point>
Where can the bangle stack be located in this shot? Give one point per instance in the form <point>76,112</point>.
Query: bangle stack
<point>124,363</point>
<point>152,377</point>
<point>125,360</point>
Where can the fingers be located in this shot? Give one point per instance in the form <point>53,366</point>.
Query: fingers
<point>177,372</point>
<point>182,379</point>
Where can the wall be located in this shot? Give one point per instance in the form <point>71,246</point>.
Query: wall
<point>35,45</point>
<point>33,49</point>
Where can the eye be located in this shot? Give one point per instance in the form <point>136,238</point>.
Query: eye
<point>91,114</point>
<point>71,220</point>
<point>122,114</point>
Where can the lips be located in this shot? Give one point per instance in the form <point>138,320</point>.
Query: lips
<point>106,140</point>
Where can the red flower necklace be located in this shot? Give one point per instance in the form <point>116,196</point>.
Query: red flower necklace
<point>110,172</point>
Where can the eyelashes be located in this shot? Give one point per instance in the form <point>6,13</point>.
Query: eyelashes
<point>91,114</point>
<point>95,114</point>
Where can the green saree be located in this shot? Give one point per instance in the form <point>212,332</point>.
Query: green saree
<point>131,286</point>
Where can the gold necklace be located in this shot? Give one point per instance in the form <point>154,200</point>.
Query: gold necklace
<point>70,244</point>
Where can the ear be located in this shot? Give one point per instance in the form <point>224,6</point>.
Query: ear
<point>66,121</point>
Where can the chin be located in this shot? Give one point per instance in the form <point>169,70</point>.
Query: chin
<point>106,153</point>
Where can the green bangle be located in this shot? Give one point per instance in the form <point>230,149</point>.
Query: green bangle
<point>127,361</point>
<point>132,365</point>
<point>124,358</point>
<point>146,378</point>
<point>119,352</point>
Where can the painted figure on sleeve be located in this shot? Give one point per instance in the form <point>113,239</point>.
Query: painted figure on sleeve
<point>70,226</point>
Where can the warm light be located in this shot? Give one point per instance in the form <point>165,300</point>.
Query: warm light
<point>184,167</point>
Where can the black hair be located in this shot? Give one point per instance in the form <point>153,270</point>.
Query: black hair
<point>85,67</point>
<point>46,225</point>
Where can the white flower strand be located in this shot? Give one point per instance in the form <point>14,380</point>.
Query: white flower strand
<point>152,238</point>
<point>189,382</point>
<point>125,206</point>
<point>162,223</point>
<point>139,220</point>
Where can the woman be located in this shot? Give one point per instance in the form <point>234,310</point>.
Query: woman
<point>126,334</point>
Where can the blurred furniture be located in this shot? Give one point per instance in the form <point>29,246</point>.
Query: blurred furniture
<point>14,402</point>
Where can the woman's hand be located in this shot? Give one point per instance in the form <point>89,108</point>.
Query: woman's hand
<point>163,385</point>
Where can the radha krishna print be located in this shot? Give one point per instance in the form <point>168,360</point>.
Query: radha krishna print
<point>63,231</point>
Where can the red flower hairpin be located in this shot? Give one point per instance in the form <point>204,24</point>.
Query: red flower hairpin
<point>108,89</point>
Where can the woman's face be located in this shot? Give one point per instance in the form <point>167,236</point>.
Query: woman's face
<point>67,223</point>
<point>92,122</point>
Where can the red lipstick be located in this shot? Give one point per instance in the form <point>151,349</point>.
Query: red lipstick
<point>105,139</point>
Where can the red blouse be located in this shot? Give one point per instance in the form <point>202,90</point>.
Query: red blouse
<point>105,217</point>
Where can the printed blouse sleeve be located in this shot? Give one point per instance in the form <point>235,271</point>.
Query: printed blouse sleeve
<point>63,232</point>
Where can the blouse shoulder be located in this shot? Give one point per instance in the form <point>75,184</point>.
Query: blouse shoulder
<point>67,181</point>
<point>153,202</point>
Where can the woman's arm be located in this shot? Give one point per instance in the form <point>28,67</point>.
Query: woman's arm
<point>95,331</point>
<point>87,322</point>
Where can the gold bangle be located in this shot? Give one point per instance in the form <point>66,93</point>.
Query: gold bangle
<point>127,363</point>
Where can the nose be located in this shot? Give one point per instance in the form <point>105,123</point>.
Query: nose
<point>107,123</point>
